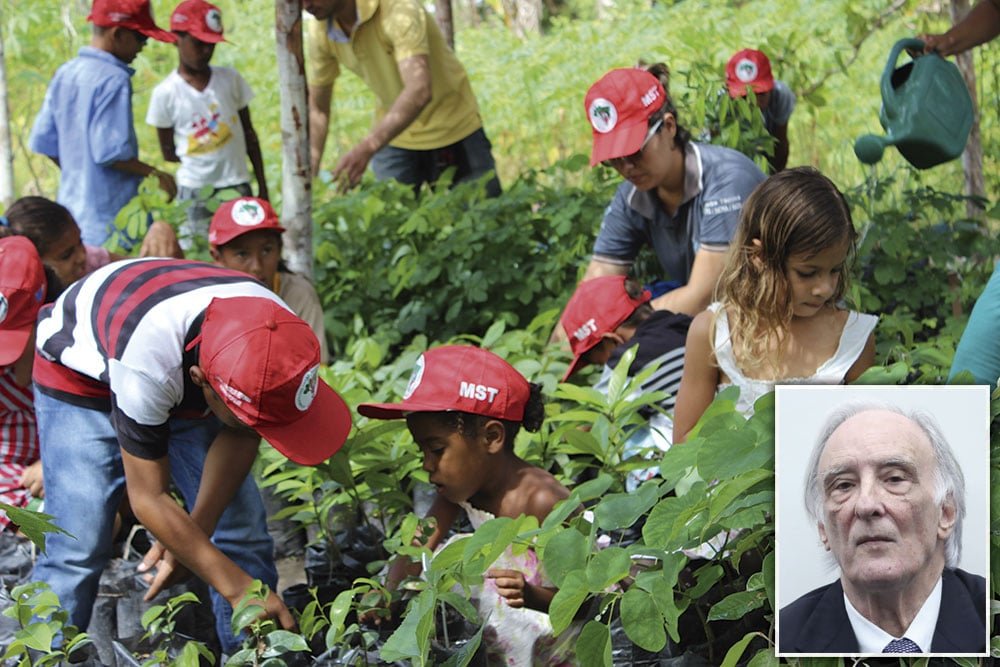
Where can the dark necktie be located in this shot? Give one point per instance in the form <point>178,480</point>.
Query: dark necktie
<point>903,645</point>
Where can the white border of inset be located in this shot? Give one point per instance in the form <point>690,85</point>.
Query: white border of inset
<point>963,413</point>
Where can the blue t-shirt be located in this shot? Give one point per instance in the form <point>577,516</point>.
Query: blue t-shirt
<point>717,180</point>
<point>86,123</point>
<point>978,350</point>
<point>779,107</point>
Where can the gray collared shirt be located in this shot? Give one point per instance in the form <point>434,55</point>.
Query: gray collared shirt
<point>717,180</point>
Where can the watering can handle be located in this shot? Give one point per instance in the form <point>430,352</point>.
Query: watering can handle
<point>888,92</point>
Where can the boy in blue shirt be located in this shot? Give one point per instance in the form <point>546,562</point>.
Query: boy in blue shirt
<point>85,124</point>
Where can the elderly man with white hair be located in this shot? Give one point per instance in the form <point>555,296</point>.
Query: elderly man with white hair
<point>888,498</point>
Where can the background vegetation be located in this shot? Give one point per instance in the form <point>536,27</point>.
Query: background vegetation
<point>398,274</point>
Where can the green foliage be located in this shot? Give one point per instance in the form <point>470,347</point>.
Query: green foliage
<point>266,644</point>
<point>451,262</point>
<point>44,635</point>
<point>159,621</point>
<point>33,524</point>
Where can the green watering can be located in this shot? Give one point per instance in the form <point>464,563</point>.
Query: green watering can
<point>926,110</point>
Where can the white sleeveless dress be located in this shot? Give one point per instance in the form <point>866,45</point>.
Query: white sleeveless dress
<point>518,637</point>
<point>832,371</point>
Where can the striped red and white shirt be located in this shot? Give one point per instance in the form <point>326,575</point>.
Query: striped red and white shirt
<point>18,440</point>
<point>115,341</point>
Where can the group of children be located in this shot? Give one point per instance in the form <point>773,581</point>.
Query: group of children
<point>777,318</point>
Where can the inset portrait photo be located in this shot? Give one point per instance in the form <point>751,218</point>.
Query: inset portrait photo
<point>882,520</point>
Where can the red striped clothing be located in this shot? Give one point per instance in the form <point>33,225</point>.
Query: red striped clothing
<point>18,440</point>
<point>116,341</point>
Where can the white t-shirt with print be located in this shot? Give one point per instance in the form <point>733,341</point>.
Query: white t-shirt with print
<point>208,134</point>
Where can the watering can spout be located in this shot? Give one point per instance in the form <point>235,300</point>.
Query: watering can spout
<point>869,147</point>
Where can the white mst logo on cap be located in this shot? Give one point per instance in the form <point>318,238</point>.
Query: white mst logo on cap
<point>603,115</point>
<point>3,307</point>
<point>307,389</point>
<point>746,70</point>
<point>213,20</point>
<point>418,375</point>
<point>247,213</point>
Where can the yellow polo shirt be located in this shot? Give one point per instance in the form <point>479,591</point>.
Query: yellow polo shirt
<point>389,31</point>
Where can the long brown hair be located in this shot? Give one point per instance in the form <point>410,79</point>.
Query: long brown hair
<point>795,212</point>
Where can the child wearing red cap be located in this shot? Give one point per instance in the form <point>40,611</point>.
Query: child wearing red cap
<point>609,315</point>
<point>149,370</point>
<point>22,291</point>
<point>202,119</point>
<point>751,69</point>
<point>464,406</point>
<point>85,125</point>
<point>680,197</point>
<point>245,235</point>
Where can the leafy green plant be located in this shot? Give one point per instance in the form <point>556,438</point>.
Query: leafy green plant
<point>33,524</point>
<point>159,622</point>
<point>44,636</point>
<point>266,645</point>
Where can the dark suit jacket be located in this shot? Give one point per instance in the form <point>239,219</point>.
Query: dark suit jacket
<point>817,622</point>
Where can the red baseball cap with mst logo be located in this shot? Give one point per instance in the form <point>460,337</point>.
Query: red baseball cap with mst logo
<point>199,19</point>
<point>618,107</point>
<point>598,306</point>
<point>263,362</point>
<point>22,290</point>
<point>132,14</point>
<point>239,216</point>
<point>748,68</point>
<point>459,378</point>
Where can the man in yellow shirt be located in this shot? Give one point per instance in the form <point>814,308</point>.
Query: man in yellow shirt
<point>426,116</point>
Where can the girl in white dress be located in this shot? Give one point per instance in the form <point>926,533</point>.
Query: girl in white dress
<point>777,318</point>
<point>464,406</point>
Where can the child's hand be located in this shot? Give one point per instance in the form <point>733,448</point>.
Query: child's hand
<point>31,479</point>
<point>510,585</point>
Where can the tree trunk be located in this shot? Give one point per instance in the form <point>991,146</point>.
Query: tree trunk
<point>6,149</point>
<point>296,179</point>
<point>972,157</point>
<point>442,12</point>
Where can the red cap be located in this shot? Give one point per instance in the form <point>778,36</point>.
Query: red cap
<point>598,306</point>
<point>619,106</point>
<point>132,14</point>
<point>239,216</point>
<point>748,68</point>
<point>198,19</point>
<point>459,378</point>
<point>22,291</point>
<point>263,362</point>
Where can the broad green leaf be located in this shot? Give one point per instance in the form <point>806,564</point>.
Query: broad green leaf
<point>581,395</point>
<point>410,640</point>
<point>593,646</point>
<point>565,552</point>
<point>619,377</point>
<point>283,641</point>
<point>642,620</point>
<point>151,613</point>
<point>607,567</point>
<point>581,442</point>
<point>766,658</point>
<point>735,651</point>
<point>34,525</point>
<point>339,609</point>
<point>461,604</point>
<point>621,510</point>
<point>37,636</point>
<point>736,605</point>
<point>589,490</point>
<point>465,654</point>
<point>667,527</point>
<point>727,453</point>
<point>767,569</point>
<point>567,600</point>
<point>724,493</point>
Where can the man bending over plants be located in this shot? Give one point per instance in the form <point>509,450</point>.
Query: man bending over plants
<point>153,369</point>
